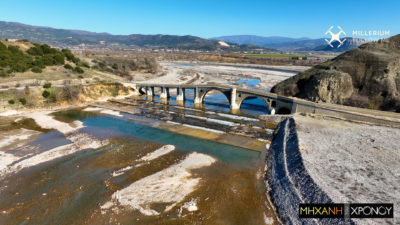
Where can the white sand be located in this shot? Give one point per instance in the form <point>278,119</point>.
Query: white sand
<point>169,186</point>
<point>159,152</point>
<point>202,73</point>
<point>103,111</point>
<point>197,127</point>
<point>45,120</point>
<point>121,171</point>
<point>237,117</point>
<point>80,141</point>
<point>190,206</point>
<point>203,128</point>
<point>223,122</point>
<point>268,220</point>
<point>150,156</point>
<point>353,163</point>
<point>9,113</point>
<point>6,159</point>
<point>23,134</point>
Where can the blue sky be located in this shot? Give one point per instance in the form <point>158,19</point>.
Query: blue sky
<point>207,18</point>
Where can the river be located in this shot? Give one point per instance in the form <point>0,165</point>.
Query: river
<point>144,175</point>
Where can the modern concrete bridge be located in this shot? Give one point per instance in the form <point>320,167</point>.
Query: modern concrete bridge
<point>235,95</point>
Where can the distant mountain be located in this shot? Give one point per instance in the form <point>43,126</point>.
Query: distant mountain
<point>348,44</point>
<point>63,37</point>
<point>293,44</point>
<point>257,40</point>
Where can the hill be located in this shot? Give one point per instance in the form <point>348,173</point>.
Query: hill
<point>368,77</point>
<point>22,56</point>
<point>293,44</point>
<point>64,38</point>
<point>258,40</point>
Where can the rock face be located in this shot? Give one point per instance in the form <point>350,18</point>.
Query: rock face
<point>368,76</point>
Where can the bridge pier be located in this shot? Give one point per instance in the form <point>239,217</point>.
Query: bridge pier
<point>234,104</point>
<point>164,92</point>
<point>198,99</point>
<point>150,91</point>
<point>180,96</point>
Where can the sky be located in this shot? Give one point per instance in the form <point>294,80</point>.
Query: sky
<point>207,18</point>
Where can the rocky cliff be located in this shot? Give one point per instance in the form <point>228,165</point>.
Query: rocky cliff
<point>368,77</point>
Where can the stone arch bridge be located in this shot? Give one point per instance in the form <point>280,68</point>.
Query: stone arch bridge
<point>235,95</point>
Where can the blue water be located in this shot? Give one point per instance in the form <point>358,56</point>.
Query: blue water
<point>116,127</point>
<point>249,82</point>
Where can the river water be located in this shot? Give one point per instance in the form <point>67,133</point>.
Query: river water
<point>115,184</point>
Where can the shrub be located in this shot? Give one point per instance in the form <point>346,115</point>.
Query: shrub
<point>45,94</point>
<point>70,57</point>
<point>70,93</point>
<point>59,59</point>
<point>3,46</point>
<point>36,69</point>
<point>22,101</point>
<point>79,70</point>
<point>115,91</point>
<point>357,100</point>
<point>85,64</point>
<point>291,90</point>
<point>11,102</point>
<point>47,85</point>
<point>68,67</point>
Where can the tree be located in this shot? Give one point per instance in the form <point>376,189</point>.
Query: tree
<point>23,101</point>
<point>59,59</point>
<point>79,70</point>
<point>36,69</point>
<point>45,94</point>
<point>47,85</point>
<point>68,67</point>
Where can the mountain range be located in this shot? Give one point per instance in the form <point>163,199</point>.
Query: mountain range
<point>293,44</point>
<point>64,37</point>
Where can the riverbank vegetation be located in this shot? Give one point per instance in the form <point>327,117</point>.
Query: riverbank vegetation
<point>59,96</point>
<point>21,56</point>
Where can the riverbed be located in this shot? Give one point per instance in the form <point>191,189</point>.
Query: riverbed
<point>101,166</point>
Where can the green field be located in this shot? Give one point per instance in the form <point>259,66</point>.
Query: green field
<point>274,55</point>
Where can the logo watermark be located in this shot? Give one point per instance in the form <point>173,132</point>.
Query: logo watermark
<point>330,210</point>
<point>335,36</point>
<point>371,35</point>
<point>366,35</point>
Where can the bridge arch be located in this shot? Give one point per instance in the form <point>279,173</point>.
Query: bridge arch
<point>267,102</point>
<point>204,92</point>
<point>284,110</point>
